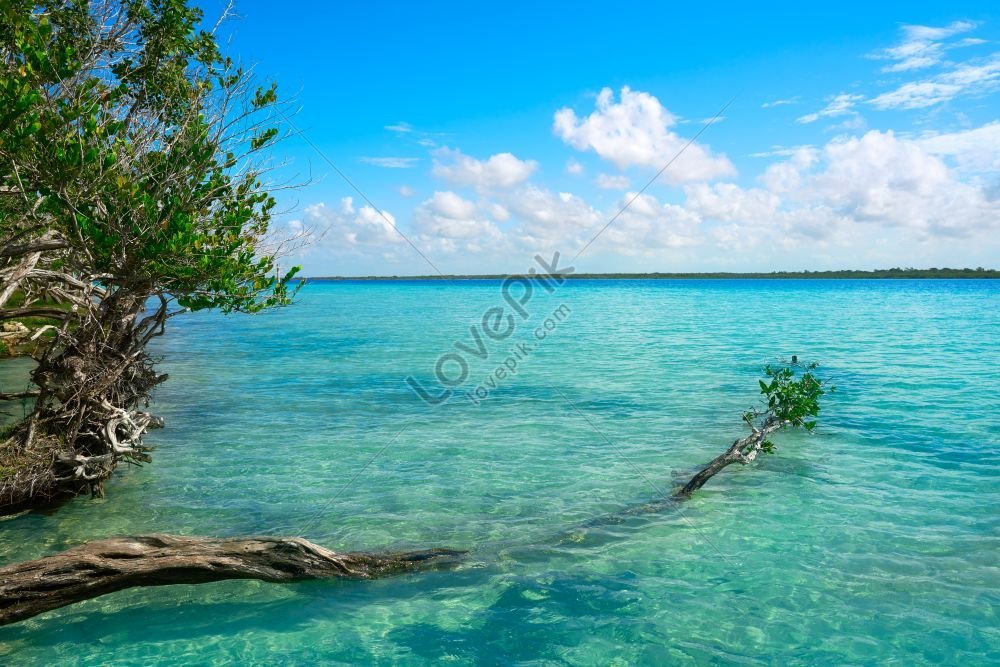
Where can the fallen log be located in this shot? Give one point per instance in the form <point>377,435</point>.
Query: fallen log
<point>105,566</point>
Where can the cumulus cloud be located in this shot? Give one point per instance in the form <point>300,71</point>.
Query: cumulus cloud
<point>884,179</point>
<point>977,149</point>
<point>786,176</point>
<point>573,167</point>
<point>853,186</point>
<point>728,202</point>
<point>549,220</point>
<point>499,171</point>
<point>451,205</point>
<point>635,131</point>
<point>848,196</point>
<point>647,226</point>
<point>343,225</point>
<point>446,218</point>
<point>498,212</point>
<point>406,191</point>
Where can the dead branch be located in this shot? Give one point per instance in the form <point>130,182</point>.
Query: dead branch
<point>105,566</point>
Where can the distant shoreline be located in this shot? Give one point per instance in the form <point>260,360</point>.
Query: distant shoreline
<point>944,273</point>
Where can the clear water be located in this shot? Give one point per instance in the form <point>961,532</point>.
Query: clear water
<point>874,541</point>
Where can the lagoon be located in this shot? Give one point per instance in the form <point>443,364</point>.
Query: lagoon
<point>872,540</point>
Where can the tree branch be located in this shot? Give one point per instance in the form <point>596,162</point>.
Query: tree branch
<point>38,246</point>
<point>18,394</point>
<point>30,311</point>
<point>105,566</point>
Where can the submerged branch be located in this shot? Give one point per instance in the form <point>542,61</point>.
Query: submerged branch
<point>742,451</point>
<point>105,566</point>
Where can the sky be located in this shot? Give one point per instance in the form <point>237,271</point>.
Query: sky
<point>465,138</point>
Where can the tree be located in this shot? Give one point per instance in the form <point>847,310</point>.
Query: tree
<point>133,157</point>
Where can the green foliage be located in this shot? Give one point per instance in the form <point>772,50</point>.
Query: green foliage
<point>127,156</point>
<point>792,394</point>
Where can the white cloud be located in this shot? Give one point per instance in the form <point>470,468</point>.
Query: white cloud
<point>451,205</point>
<point>636,132</point>
<point>874,197</point>
<point>976,150</point>
<point>838,105</point>
<point>855,123</point>
<point>883,179</point>
<point>610,182</point>
<point>499,171</point>
<point>573,167</point>
<point>786,176</point>
<point>406,191</point>
<point>498,212</point>
<point>344,225</point>
<point>780,151</point>
<point>446,218</point>
<point>916,95</point>
<point>853,185</point>
<point>779,103</point>
<point>962,80</point>
<point>923,46</point>
<point>548,217</point>
<point>728,202</point>
<point>647,226</point>
<point>391,162</point>
<point>400,128</point>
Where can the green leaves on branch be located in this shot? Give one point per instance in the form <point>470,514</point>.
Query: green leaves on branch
<point>265,96</point>
<point>792,395</point>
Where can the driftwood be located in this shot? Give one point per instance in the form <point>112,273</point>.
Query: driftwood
<point>105,566</point>
<point>743,451</point>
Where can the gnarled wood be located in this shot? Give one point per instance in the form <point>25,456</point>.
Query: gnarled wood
<point>742,451</point>
<point>105,566</point>
<point>32,311</point>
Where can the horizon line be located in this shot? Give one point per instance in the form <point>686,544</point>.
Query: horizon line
<point>934,272</point>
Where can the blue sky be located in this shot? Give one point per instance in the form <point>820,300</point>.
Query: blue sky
<point>862,136</point>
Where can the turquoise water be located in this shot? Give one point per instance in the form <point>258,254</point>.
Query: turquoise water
<point>876,540</point>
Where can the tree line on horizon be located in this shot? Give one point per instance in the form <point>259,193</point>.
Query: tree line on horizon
<point>895,272</point>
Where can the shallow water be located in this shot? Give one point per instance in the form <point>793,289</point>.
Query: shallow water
<point>874,540</point>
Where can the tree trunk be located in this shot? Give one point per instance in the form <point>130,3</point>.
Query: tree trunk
<point>105,566</point>
<point>86,418</point>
